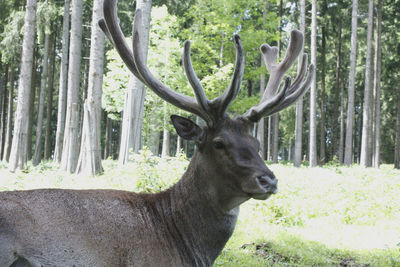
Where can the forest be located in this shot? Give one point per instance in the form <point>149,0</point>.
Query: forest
<point>66,96</point>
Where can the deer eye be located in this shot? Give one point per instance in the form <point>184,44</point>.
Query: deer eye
<point>218,144</point>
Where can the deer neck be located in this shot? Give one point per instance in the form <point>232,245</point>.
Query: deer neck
<point>204,224</point>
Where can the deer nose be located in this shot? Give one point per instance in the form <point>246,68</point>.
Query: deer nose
<point>268,181</point>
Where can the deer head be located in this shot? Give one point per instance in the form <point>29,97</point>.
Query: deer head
<point>226,151</point>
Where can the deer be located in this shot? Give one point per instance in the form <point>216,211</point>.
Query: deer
<point>185,225</point>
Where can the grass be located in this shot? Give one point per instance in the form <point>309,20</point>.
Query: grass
<point>331,216</point>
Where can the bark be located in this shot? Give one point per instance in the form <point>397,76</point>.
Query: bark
<point>178,145</point>
<point>377,85</point>
<point>261,126</point>
<point>90,157</point>
<point>108,138</point>
<point>335,148</point>
<point>18,155</point>
<point>299,104</point>
<point>50,90</point>
<point>341,138</point>
<point>134,104</point>
<point>31,108</point>
<point>313,96</point>
<point>3,112</point>
<point>43,84</point>
<point>269,141</point>
<point>166,135</point>
<point>322,122</point>
<point>275,134</point>
<point>10,109</point>
<point>62,93</point>
<point>397,139</point>
<point>70,145</point>
<point>365,159</point>
<point>348,152</point>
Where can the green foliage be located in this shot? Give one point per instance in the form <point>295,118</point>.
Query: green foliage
<point>11,37</point>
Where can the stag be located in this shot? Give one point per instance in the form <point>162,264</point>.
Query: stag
<point>186,225</point>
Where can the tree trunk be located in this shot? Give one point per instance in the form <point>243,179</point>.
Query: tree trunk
<point>70,145</point>
<point>50,90</point>
<point>365,160</point>
<point>3,112</point>
<point>166,135</point>
<point>10,109</point>
<point>32,107</point>
<point>322,122</point>
<point>178,145</point>
<point>377,85</point>
<point>260,127</point>
<point>18,156</point>
<point>313,96</point>
<point>299,104</point>
<point>108,138</point>
<point>275,146</point>
<point>397,140</point>
<point>269,141</point>
<point>43,83</point>
<point>90,158</point>
<point>62,93</point>
<point>134,104</point>
<point>335,149</point>
<point>341,138</point>
<point>348,152</point>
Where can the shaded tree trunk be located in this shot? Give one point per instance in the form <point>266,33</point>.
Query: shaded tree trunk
<point>10,109</point>
<point>377,85</point>
<point>108,137</point>
<point>134,103</point>
<point>299,104</point>
<point>275,134</point>
<point>335,148</point>
<point>70,150</point>
<point>313,95</point>
<point>348,152</point>
<point>269,138</point>
<point>18,155</point>
<point>397,139</point>
<point>32,107</point>
<point>365,160</point>
<point>342,125</point>
<point>43,83</point>
<point>3,111</point>
<point>322,122</point>
<point>50,90</point>
<point>90,157</point>
<point>62,93</point>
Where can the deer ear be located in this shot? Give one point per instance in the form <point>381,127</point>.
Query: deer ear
<point>187,129</point>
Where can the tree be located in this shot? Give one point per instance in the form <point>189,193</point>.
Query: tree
<point>70,153</point>
<point>348,152</point>
<point>377,84</point>
<point>62,93</point>
<point>132,120</point>
<point>365,158</point>
<point>397,139</point>
<point>299,104</point>
<point>18,156</point>
<point>43,84</point>
<point>90,155</point>
<point>10,98</point>
<point>313,100</point>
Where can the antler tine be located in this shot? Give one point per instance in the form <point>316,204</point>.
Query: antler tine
<point>271,101</point>
<point>296,94</point>
<point>263,109</point>
<point>300,75</point>
<point>232,91</point>
<point>277,70</point>
<point>194,80</point>
<point>111,28</point>
<point>179,100</point>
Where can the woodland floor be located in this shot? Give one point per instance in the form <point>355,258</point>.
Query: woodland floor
<point>330,216</point>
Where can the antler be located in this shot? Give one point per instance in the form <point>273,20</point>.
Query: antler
<point>210,111</point>
<point>272,102</point>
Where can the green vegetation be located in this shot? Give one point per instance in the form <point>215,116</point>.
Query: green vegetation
<point>331,216</point>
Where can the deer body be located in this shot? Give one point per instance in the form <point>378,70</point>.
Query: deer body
<point>183,226</point>
<point>186,225</point>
